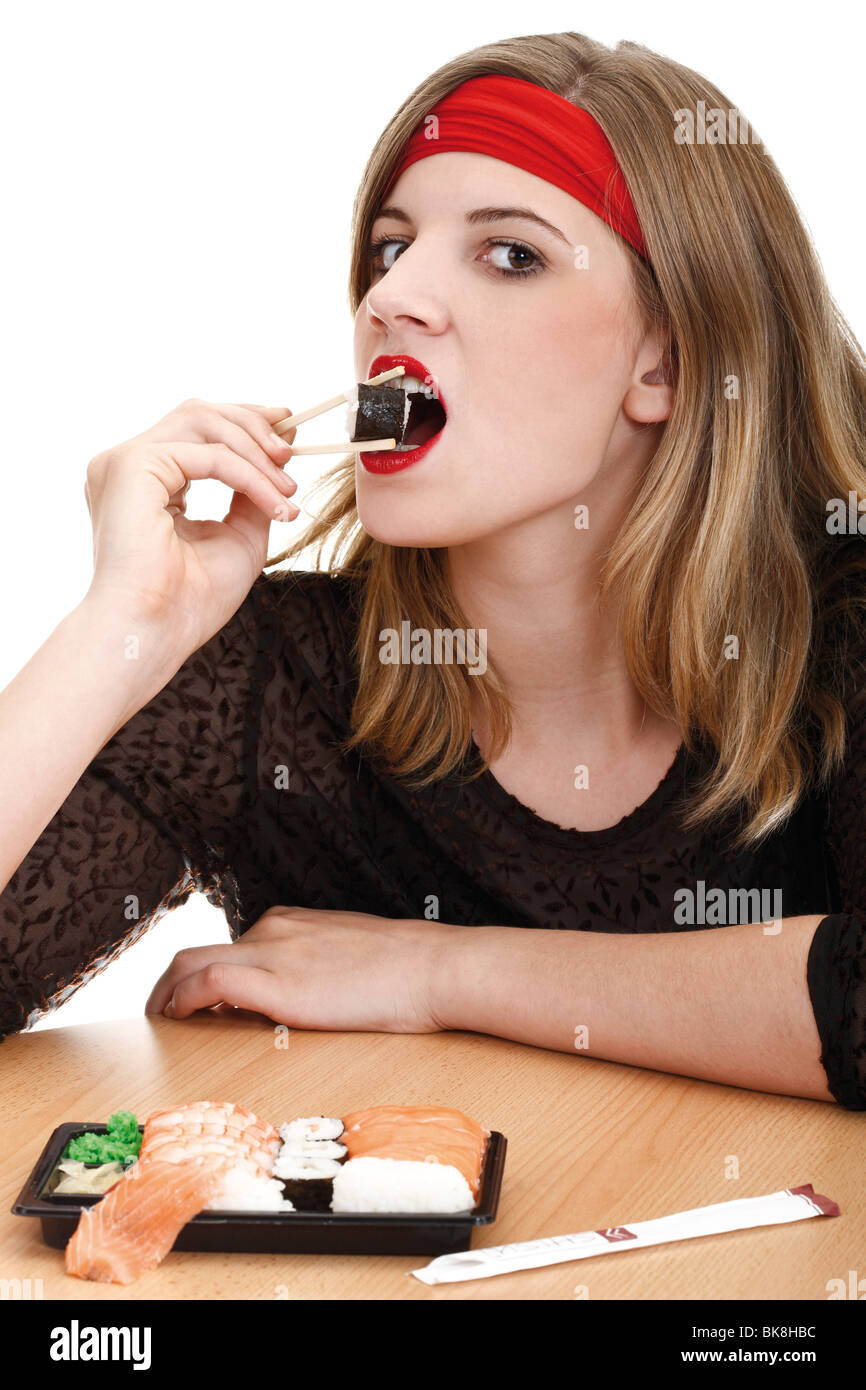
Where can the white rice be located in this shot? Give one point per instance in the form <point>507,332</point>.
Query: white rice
<point>245,1191</point>
<point>400,1184</point>
<point>314,1148</point>
<point>302,1165</point>
<point>314,1129</point>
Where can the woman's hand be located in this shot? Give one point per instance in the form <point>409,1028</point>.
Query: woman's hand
<point>315,969</point>
<point>151,561</point>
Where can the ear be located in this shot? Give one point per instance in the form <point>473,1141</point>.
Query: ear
<point>650,396</point>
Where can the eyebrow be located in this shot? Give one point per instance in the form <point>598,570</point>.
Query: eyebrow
<point>485,215</point>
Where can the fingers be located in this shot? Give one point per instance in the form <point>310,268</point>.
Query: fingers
<point>246,519</point>
<point>246,433</point>
<point>246,986</point>
<point>187,962</point>
<point>220,461</point>
<point>177,501</point>
<point>272,413</point>
<point>275,445</point>
<point>274,416</point>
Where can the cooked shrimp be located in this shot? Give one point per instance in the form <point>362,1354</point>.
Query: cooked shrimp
<point>211,1127</point>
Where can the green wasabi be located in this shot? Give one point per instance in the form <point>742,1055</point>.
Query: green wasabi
<point>122,1142</point>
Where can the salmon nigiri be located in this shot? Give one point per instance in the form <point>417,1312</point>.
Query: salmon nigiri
<point>421,1133</point>
<point>136,1223</point>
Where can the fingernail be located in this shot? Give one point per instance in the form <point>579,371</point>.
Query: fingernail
<point>169,1008</point>
<point>277,439</point>
<point>286,511</point>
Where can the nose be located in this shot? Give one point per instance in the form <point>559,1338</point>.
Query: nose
<point>408,295</point>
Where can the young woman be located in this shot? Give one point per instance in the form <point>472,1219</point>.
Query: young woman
<point>635,830</point>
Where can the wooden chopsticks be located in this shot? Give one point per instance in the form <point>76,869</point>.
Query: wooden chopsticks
<point>344,447</point>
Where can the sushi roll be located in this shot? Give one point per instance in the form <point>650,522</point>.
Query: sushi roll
<point>382,413</point>
<point>309,1160</point>
<point>315,1129</point>
<point>308,1182</point>
<point>386,412</point>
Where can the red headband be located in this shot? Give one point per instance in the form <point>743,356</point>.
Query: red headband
<point>536,130</point>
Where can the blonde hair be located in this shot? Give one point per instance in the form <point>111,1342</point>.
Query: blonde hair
<point>727,534</point>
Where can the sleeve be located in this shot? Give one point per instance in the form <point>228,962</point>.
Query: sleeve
<point>837,988</point>
<point>148,823</point>
<point>836,970</point>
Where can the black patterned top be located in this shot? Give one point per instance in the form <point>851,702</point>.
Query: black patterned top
<point>228,783</point>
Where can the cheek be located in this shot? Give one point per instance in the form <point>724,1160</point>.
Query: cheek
<point>359,342</point>
<point>550,388</point>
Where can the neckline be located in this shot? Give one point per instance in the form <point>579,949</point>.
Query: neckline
<point>567,836</point>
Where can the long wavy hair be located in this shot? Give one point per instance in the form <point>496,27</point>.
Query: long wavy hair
<point>727,534</point>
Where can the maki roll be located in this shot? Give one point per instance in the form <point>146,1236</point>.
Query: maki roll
<point>308,1182</point>
<point>386,412</point>
<point>309,1160</point>
<point>382,412</point>
<point>315,1131</point>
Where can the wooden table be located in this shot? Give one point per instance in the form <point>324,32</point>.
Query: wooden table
<point>591,1144</point>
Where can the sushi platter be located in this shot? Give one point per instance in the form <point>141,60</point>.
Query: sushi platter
<point>401,1180</point>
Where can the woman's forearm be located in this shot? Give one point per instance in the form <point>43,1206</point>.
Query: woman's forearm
<point>95,670</point>
<point>728,1004</point>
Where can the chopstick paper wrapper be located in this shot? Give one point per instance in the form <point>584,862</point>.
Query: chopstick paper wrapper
<point>793,1204</point>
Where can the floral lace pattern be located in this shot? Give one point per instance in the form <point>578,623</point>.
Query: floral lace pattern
<point>229,782</point>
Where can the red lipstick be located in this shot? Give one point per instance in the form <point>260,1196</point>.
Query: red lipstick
<point>395,460</point>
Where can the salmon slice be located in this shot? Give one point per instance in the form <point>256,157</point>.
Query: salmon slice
<point>419,1132</point>
<point>136,1223</point>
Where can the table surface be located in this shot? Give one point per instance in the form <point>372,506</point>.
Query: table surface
<point>591,1144</point>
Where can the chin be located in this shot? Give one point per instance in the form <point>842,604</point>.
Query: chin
<point>401,521</point>
<point>394,530</point>
<point>419,532</point>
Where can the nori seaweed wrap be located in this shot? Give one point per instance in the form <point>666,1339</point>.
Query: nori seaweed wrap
<point>308,1182</point>
<point>382,413</point>
<point>310,1159</point>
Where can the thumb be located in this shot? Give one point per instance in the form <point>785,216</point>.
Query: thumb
<point>250,521</point>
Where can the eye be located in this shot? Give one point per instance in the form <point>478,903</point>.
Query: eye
<point>513,259</point>
<point>378,252</point>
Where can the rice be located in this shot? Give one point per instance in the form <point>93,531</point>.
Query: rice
<point>245,1191</point>
<point>312,1129</point>
<point>305,1165</point>
<point>399,1184</point>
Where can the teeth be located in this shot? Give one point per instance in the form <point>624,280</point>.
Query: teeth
<point>407,383</point>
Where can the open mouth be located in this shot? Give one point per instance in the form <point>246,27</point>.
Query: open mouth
<point>426,413</point>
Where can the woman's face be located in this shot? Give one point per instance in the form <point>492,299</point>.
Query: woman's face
<point>533,341</point>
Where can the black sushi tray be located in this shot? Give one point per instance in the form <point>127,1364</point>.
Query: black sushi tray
<point>264,1232</point>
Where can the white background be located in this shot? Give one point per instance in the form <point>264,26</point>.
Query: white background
<point>177,185</point>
